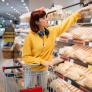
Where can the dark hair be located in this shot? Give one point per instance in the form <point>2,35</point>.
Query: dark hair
<point>35,16</point>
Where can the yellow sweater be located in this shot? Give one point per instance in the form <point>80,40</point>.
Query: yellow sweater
<point>37,50</point>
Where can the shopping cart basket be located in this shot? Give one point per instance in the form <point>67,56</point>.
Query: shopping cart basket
<point>26,77</point>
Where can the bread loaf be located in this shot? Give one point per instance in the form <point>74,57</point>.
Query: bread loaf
<point>88,60</point>
<point>62,68</point>
<point>67,51</point>
<point>74,73</point>
<point>88,81</point>
<point>59,86</point>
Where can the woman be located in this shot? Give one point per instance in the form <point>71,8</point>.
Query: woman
<point>39,44</point>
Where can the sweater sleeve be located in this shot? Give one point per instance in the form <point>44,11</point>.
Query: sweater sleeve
<point>27,53</point>
<point>66,24</point>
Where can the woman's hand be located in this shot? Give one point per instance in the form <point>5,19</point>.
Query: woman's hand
<point>57,60</point>
<point>53,62</point>
<point>47,63</point>
<point>85,9</point>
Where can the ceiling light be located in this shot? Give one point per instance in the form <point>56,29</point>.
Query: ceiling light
<point>12,7</point>
<point>3,21</point>
<point>3,0</point>
<point>22,0</point>
<point>26,7</point>
<point>7,4</point>
<point>10,21</point>
<point>8,14</point>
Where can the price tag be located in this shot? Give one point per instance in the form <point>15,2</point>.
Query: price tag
<point>90,44</point>
<point>72,60</point>
<point>91,20</point>
<point>69,81</point>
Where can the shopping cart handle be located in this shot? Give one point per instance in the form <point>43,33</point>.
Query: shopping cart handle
<point>30,65</point>
<point>11,67</point>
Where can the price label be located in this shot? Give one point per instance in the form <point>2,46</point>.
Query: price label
<point>72,60</point>
<point>69,81</point>
<point>91,20</point>
<point>90,44</point>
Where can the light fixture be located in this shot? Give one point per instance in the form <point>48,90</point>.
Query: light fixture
<point>11,7</point>
<point>10,21</point>
<point>22,0</point>
<point>14,9</point>
<point>3,0</point>
<point>7,4</point>
<point>26,7</point>
<point>3,21</point>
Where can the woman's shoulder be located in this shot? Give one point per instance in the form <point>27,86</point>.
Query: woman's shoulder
<point>30,33</point>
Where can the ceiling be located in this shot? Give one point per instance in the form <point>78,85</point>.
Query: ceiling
<point>12,9</point>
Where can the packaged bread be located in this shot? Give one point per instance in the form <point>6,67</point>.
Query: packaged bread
<point>70,70</point>
<point>88,60</point>
<point>88,81</point>
<point>75,73</point>
<point>62,68</point>
<point>67,35</point>
<point>59,86</point>
<point>67,51</point>
<point>83,33</point>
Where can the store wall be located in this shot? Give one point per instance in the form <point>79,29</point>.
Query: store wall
<point>33,4</point>
<point>65,3</point>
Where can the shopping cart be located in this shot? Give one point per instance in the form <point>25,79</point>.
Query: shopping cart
<point>27,77</point>
<point>8,81</point>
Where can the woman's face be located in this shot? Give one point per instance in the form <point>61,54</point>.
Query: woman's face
<point>43,22</point>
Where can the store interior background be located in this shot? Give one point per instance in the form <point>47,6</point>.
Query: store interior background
<point>11,10</point>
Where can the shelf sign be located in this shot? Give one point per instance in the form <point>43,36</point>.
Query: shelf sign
<point>69,81</point>
<point>91,20</point>
<point>90,44</point>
